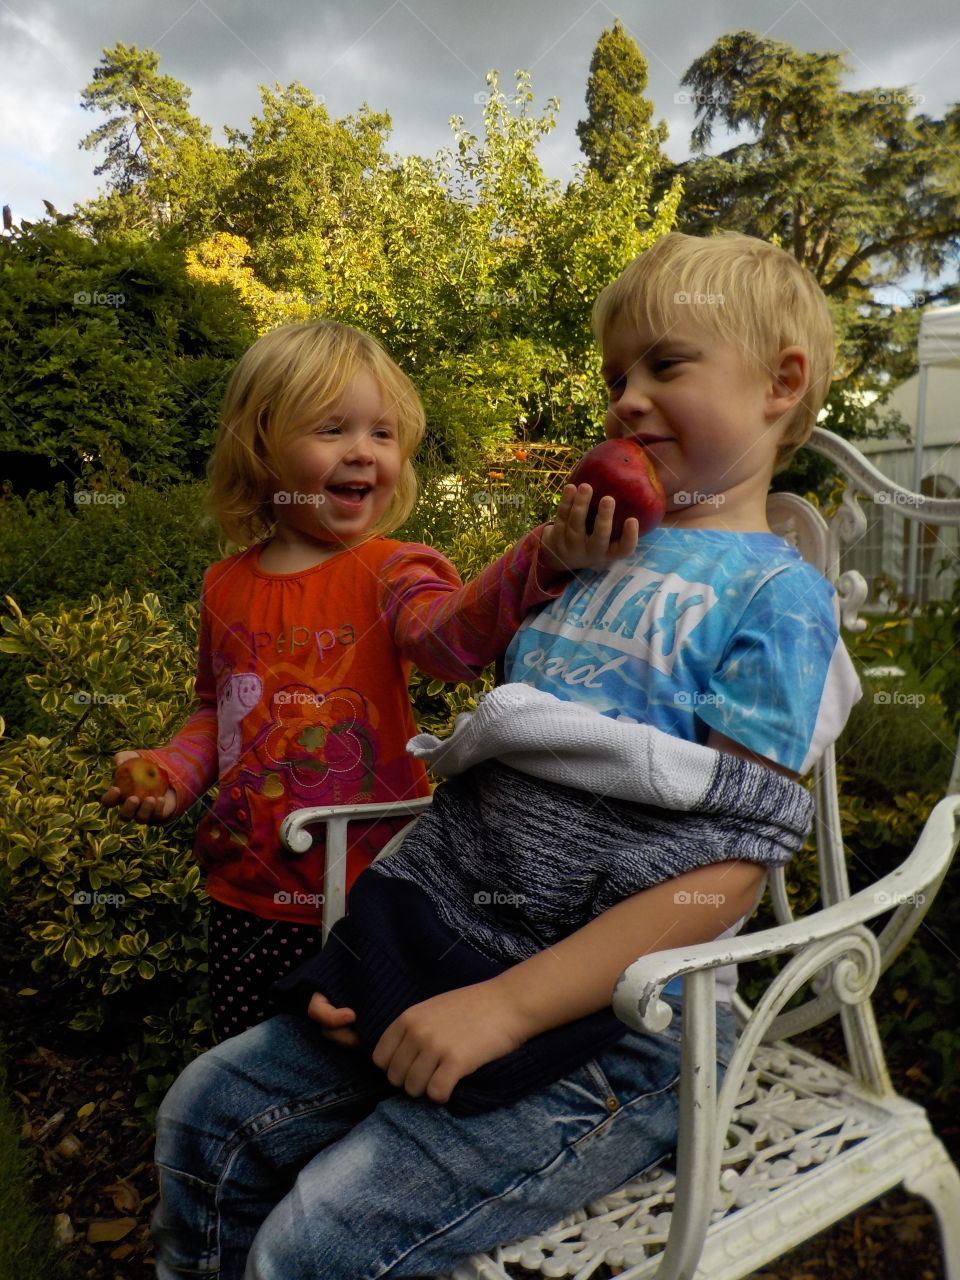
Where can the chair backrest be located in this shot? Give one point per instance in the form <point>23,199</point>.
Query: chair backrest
<point>821,541</point>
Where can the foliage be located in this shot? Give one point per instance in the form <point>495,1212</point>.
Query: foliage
<point>618,127</point>
<point>112,356</point>
<point>476,271</point>
<point>933,650</point>
<point>222,259</point>
<point>62,547</point>
<point>111,912</point>
<point>296,174</point>
<point>897,740</point>
<point>859,190</point>
<point>158,155</point>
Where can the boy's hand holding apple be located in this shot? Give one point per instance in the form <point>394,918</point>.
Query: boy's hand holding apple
<point>613,496</point>
<point>140,788</point>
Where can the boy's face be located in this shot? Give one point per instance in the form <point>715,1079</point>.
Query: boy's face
<point>708,421</point>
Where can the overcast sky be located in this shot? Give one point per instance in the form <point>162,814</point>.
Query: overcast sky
<point>421,60</point>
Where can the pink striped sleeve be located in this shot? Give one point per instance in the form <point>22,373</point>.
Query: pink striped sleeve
<point>190,758</point>
<point>452,631</point>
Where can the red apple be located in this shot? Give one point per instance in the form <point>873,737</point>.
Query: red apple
<point>622,469</point>
<point>139,777</point>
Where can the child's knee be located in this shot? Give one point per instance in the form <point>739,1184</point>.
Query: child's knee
<point>191,1106</point>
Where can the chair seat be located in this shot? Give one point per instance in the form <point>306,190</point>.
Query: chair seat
<point>805,1140</point>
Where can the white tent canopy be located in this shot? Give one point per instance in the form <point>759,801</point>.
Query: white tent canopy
<point>940,337</point>
<point>939,344</point>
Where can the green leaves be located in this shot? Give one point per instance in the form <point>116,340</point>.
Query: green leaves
<point>112,359</point>
<point>856,184</point>
<point>618,130</point>
<point>108,906</point>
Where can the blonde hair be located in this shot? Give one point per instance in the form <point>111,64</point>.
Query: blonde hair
<point>290,376</point>
<point>741,289</point>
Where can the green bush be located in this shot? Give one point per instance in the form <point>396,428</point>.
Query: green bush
<point>933,651</point>
<point>897,740</point>
<point>111,351</point>
<point>111,913</point>
<point>56,550</point>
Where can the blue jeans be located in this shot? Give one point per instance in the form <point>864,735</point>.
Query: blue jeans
<point>283,1156</point>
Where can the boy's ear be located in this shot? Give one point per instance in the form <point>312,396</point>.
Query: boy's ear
<point>789,379</point>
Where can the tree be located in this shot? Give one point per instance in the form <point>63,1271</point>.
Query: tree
<point>479,273</point>
<point>618,127</point>
<point>476,271</point>
<point>113,358</point>
<point>152,140</point>
<point>298,171</point>
<point>858,190</point>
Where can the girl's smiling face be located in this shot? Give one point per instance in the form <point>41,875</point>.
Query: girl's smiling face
<point>336,476</point>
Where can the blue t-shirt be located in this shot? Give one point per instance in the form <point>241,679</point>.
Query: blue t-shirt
<point>700,629</point>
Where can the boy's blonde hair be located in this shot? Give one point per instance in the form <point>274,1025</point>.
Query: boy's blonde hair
<point>741,289</point>
<point>290,377</point>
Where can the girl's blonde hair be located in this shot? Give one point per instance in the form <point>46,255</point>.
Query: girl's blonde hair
<point>741,289</point>
<point>290,377</point>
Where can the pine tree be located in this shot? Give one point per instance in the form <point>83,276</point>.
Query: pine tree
<point>150,131</point>
<point>618,125</point>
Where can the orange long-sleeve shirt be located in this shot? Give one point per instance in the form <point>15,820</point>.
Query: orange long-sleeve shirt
<point>302,685</point>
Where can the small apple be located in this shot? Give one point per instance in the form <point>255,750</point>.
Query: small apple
<point>621,469</point>
<point>139,777</point>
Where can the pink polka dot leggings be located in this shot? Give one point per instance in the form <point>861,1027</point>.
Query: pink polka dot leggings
<point>246,955</point>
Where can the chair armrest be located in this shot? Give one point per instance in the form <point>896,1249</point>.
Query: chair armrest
<point>296,836</point>
<point>908,891</point>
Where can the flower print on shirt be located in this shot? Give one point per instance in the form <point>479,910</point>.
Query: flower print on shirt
<point>320,742</point>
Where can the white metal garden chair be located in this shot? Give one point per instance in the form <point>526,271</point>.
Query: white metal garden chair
<point>792,1143</point>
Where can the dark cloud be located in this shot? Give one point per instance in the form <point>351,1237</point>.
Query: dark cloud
<point>421,60</point>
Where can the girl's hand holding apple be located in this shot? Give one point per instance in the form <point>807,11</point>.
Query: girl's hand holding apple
<point>612,496</point>
<point>140,788</point>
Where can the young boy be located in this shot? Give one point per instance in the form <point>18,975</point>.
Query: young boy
<point>461,1080</point>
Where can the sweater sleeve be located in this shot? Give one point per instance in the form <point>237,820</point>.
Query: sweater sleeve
<point>450,630</point>
<point>190,758</point>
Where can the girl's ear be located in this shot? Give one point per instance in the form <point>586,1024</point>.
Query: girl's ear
<point>789,379</point>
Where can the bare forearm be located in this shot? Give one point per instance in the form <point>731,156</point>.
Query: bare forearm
<point>577,976</point>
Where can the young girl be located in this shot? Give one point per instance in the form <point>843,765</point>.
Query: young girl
<point>308,636</point>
